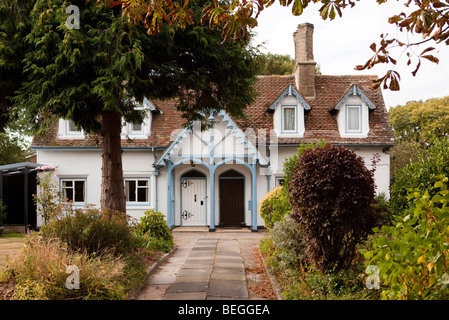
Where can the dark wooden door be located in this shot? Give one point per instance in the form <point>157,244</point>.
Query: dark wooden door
<point>232,204</point>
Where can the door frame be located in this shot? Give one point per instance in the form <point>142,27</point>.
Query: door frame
<point>244,192</point>
<point>205,196</point>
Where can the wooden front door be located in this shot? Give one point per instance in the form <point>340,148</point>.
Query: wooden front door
<point>232,199</point>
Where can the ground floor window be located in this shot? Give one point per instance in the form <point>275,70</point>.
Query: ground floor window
<point>279,181</point>
<point>74,190</point>
<point>137,190</point>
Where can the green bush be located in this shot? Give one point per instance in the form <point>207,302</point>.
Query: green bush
<point>289,247</point>
<point>420,174</point>
<point>274,206</point>
<point>383,207</point>
<point>331,192</point>
<point>412,255</point>
<point>155,231</point>
<point>93,231</point>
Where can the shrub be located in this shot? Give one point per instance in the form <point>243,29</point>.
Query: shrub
<point>383,207</point>
<point>155,231</point>
<point>40,272</point>
<point>93,231</point>
<point>274,206</point>
<point>412,256</point>
<point>290,163</point>
<point>288,244</point>
<point>48,200</point>
<point>331,192</point>
<point>421,174</point>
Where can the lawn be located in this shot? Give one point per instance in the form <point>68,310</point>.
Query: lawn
<point>10,246</point>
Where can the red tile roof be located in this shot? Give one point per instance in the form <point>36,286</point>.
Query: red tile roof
<point>320,123</point>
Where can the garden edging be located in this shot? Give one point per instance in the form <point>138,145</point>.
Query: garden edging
<point>274,283</point>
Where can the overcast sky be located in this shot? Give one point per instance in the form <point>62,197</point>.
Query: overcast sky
<point>343,43</point>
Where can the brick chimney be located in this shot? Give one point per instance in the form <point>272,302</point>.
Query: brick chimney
<point>304,64</point>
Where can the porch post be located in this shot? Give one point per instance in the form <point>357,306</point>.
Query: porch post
<point>254,197</point>
<point>170,187</point>
<point>212,198</point>
<point>212,173</point>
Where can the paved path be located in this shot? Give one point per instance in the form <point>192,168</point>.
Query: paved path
<point>207,266</point>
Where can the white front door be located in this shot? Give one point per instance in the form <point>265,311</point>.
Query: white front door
<point>193,204</point>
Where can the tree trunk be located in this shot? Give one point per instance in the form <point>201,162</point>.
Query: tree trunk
<point>112,186</point>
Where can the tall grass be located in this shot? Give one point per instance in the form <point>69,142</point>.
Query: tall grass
<point>40,272</point>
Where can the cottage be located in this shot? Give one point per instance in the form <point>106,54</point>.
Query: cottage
<point>217,177</point>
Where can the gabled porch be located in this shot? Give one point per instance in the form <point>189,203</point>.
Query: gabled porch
<point>212,176</point>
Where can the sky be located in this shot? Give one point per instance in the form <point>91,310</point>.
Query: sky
<point>343,43</point>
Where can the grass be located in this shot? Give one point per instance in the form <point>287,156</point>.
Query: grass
<point>10,245</point>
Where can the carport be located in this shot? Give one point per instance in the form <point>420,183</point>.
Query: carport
<point>17,186</point>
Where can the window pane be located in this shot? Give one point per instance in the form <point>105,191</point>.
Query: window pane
<point>353,119</point>
<point>289,119</point>
<point>142,183</point>
<point>71,126</point>
<point>142,194</point>
<point>66,183</point>
<point>79,191</point>
<point>67,194</point>
<point>136,127</point>
<point>130,186</point>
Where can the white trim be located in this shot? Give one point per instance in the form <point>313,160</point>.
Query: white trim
<point>73,180</point>
<point>65,133</point>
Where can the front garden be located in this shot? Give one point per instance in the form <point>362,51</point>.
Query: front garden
<point>330,237</point>
<point>85,254</point>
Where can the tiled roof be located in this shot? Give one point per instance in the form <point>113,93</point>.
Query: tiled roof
<point>320,123</point>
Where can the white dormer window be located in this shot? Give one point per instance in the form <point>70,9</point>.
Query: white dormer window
<point>353,112</point>
<point>143,130</point>
<point>289,119</point>
<point>353,119</point>
<point>68,130</point>
<point>136,129</point>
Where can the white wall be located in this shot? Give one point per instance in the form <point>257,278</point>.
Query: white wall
<point>87,164</point>
<point>381,175</point>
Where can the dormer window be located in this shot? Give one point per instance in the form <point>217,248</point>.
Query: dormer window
<point>353,119</point>
<point>289,109</point>
<point>142,130</point>
<point>67,130</point>
<point>353,113</point>
<point>136,128</point>
<point>289,119</point>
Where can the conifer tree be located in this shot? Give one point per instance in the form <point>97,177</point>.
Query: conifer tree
<point>94,74</point>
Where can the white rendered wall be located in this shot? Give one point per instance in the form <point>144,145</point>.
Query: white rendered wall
<point>87,164</point>
<point>381,174</point>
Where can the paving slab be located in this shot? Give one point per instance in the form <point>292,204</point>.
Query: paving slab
<point>228,288</point>
<point>205,266</point>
